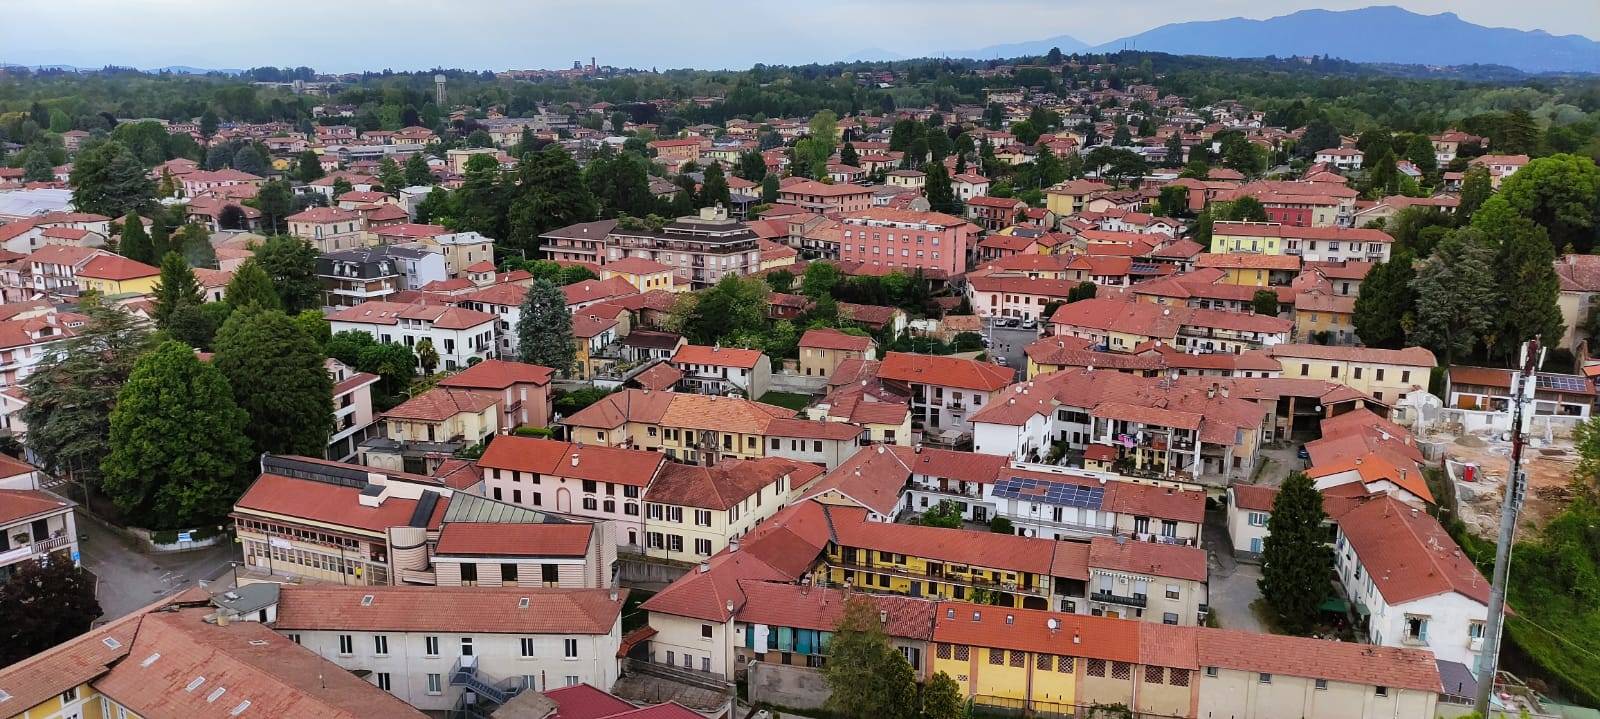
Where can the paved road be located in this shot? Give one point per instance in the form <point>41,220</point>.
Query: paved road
<point>1009,342</point>
<point>1232,584</point>
<point>130,579</point>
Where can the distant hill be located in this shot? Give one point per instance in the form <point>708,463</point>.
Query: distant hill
<point>1067,43</point>
<point>1382,34</point>
<point>174,69</point>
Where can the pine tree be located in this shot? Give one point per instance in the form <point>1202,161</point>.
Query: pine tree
<point>178,444</point>
<point>714,191</point>
<point>417,173</point>
<point>551,194</point>
<point>1265,302</point>
<point>941,196</point>
<point>1525,267</point>
<point>308,167</point>
<point>867,678</point>
<point>251,286</point>
<point>276,202</point>
<point>1295,559</point>
<point>391,176</point>
<point>135,244</point>
<point>848,156</point>
<point>277,374</point>
<point>108,180</point>
<point>769,188</point>
<point>544,331</point>
<point>1385,303</point>
<point>1457,298</point>
<point>160,242</point>
<point>427,356</point>
<point>292,264</point>
<point>194,241</point>
<point>1476,186</point>
<point>176,288</point>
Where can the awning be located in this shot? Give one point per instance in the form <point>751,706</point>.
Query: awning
<point>1336,605</point>
<point>1361,608</point>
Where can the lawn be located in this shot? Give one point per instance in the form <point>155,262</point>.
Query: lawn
<point>791,400</point>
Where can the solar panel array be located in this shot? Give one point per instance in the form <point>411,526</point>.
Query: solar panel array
<point>1061,493</point>
<point>1563,383</point>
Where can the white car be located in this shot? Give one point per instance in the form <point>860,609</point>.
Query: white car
<point>1000,360</point>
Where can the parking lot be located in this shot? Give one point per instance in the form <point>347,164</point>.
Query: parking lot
<point>129,578</point>
<point>1008,342</point>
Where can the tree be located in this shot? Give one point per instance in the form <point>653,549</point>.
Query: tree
<point>196,325</point>
<point>177,287</point>
<point>292,264</point>
<point>780,280</point>
<point>43,603</point>
<point>867,678</point>
<point>1084,290</point>
<point>315,325</point>
<point>848,156</point>
<point>341,186</point>
<point>769,189</point>
<point>108,180</point>
<point>394,363</point>
<point>249,159</point>
<point>72,390</point>
<point>1296,560</point>
<point>1419,150</point>
<point>427,356</point>
<point>276,202</point>
<point>945,515</point>
<point>1265,302</point>
<point>208,123</point>
<point>37,168</point>
<point>943,698</point>
<point>135,243</point>
<point>1562,194</point>
<point>277,374</point>
<point>941,196</point>
<point>194,241</point>
<point>735,305</point>
<point>1476,186</point>
<point>308,167</point>
<point>1525,267</point>
<point>752,166</point>
<point>178,444</point>
<point>1384,303</point>
<point>544,331</point>
<point>714,191</point>
<point>1173,201</point>
<point>1456,296</point>
<point>417,172</point>
<point>551,195</point>
<point>819,279</point>
<point>391,177</point>
<point>1319,135</point>
<point>436,207</point>
<point>251,286</point>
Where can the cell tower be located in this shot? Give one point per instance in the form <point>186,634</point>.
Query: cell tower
<point>438,90</point>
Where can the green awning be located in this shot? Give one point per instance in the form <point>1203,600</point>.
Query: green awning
<point>1361,608</point>
<point>1336,605</point>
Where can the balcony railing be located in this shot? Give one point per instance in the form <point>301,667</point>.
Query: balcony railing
<point>465,674</point>
<point>1137,600</point>
<point>951,578</point>
<point>51,544</point>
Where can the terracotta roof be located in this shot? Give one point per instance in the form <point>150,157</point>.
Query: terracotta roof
<point>1249,261</point>
<point>1318,659</point>
<point>962,546</point>
<point>1408,555</point>
<point>1071,561</point>
<point>595,290</point>
<point>1255,497</point>
<point>442,403</point>
<point>323,215</point>
<point>376,312</point>
<point>821,608</point>
<point>719,486</point>
<point>829,338</point>
<point>717,356</point>
<point>582,701</point>
<point>873,478</point>
<point>1417,356</point>
<point>586,325</point>
<point>889,214</point>
<point>498,375</point>
<point>578,461</point>
<point>811,429</point>
<point>480,610</point>
<point>944,371</point>
<point>812,187</point>
<point>1152,558</point>
<point>70,255</point>
<point>1578,273</point>
<point>330,504</point>
<point>1029,630</point>
<point>1374,467</point>
<point>20,504</point>
<point>660,376</point>
<point>1159,502</point>
<point>636,266</point>
<point>499,539</point>
<point>618,408</point>
<point>116,267</point>
<point>1324,302</point>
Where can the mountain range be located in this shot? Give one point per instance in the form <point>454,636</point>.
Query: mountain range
<point>1379,34</point>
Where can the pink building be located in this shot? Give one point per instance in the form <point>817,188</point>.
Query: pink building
<point>887,237</point>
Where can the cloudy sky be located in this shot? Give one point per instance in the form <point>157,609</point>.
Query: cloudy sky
<point>337,36</point>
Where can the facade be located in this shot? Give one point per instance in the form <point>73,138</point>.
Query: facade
<point>644,275</point>
<point>350,277</point>
<point>1312,244</point>
<point>723,370</point>
<point>699,429</point>
<point>822,349</point>
<point>1148,581</point>
<point>823,199</point>
<point>329,229</point>
<point>944,391</point>
<point>700,249</point>
<point>524,390</point>
<point>583,242</point>
<point>459,335</point>
<point>352,409</point>
<point>906,239</point>
<point>599,483</point>
<point>112,275</point>
<point>1385,375</point>
<point>693,512</point>
<point>422,432</point>
<point>35,525</point>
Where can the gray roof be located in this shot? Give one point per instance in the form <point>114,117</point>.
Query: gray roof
<point>248,598</point>
<point>473,508</point>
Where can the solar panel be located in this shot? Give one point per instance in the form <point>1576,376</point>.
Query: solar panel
<point>1562,383</point>
<point>1058,493</point>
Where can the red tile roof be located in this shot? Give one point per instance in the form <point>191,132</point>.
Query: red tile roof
<point>636,266</point>
<point>582,701</point>
<point>722,485</point>
<point>829,338</point>
<point>962,546</point>
<point>330,504</point>
<point>821,608</point>
<point>498,375</point>
<point>442,403</point>
<point>481,610</point>
<point>20,504</point>
<point>1029,630</point>
<point>554,458</point>
<point>717,356</point>
<point>1417,356</point>
<point>323,215</point>
<point>1408,554</point>
<point>944,371</point>
<point>1152,558</point>
<point>1318,659</point>
<point>498,539</point>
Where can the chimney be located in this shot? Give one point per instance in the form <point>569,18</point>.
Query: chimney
<point>883,616</point>
<point>705,567</point>
<point>574,459</point>
<point>613,595</point>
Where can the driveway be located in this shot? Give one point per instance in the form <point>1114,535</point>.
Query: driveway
<point>1231,584</point>
<point>1008,342</point>
<point>130,579</point>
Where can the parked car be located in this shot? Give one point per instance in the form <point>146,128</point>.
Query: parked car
<point>1030,324</point>
<point>1302,453</point>
<point>1000,360</point>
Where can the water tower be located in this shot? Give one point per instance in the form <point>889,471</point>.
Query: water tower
<point>438,90</point>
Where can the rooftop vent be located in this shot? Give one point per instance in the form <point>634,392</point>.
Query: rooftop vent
<point>366,600</point>
<point>194,684</point>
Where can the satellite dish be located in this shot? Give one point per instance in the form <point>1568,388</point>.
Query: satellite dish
<point>1053,623</point>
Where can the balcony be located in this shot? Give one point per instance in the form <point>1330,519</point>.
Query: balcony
<point>51,544</point>
<point>1137,600</point>
<point>956,408</point>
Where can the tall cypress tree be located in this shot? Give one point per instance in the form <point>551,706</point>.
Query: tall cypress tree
<point>135,244</point>
<point>544,331</point>
<point>1295,559</point>
<point>941,197</point>
<point>176,288</point>
<point>252,286</point>
<point>1385,301</point>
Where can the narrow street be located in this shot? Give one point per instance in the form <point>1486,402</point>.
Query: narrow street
<point>129,579</point>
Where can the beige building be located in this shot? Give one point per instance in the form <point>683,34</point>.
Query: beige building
<point>1148,581</point>
<point>1580,291</point>
<point>422,432</point>
<point>692,512</point>
<point>1386,375</point>
<point>329,229</point>
<point>822,349</point>
<point>645,275</point>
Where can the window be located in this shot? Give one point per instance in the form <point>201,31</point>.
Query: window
<point>1154,675</point>
<point>70,695</point>
<point>466,646</point>
<point>1258,519</point>
<point>702,517</point>
<point>1121,670</point>
<point>1172,591</point>
<point>1019,659</point>
<point>997,657</point>
<point>347,644</point>
<point>963,653</point>
<point>674,543</point>
<point>508,572</point>
<point>1405,376</point>
<point>572,680</point>
<point>569,648</point>
<point>1322,685</point>
<point>1178,677</point>
<point>469,572</point>
<point>435,686</point>
<point>702,547</point>
<point>1475,630</point>
<point>380,644</point>
<point>591,504</point>
<point>549,573</point>
<point>1097,668</point>
<point>1380,691</point>
<point>1264,678</point>
<point>705,631</point>
<point>430,646</point>
<point>1169,618</point>
<point>527,647</point>
<point>1211,672</point>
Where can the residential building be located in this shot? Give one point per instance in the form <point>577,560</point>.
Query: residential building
<point>524,390</point>
<point>1149,581</point>
<point>54,269</point>
<point>1122,326</point>
<point>1315,243</point>
<point>1385,375</point>
<point>906,239</point>
<point>644,275</point>
<point>583,242</point>
<point>1341,158</point>
<point>693,512</point>
<point>458,334</point>
<point>461,250</point>
<point>700,429</point>
<point>1580,293</point>
<point>1249,510</point>
<point>822,349</point>
<point>35,525</point>
<point>350,277</point>
<point>594,482</point>
<point>431,427</point>
<point>994,213</point>
<point>1483,396</point>
<point>968,185</point>
<point>24,343</point>
<point>724,370</point>
<point>944,391</point>
<point>700,248</point>
<point>353,419</point>
<point>455,649</point>
<point>1325,318</point>
<point>1500,166</point>
<point>503,301</point>
<point>329,229</point>
<point>787,624</point>
<point>824,199</point>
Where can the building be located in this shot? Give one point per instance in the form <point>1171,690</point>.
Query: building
<point>644,275</point>
<point>1315,243</point>
<point>944,391</point>
<point>1324,317</point>
<point>824,199</point>
<point>460,249</point>
<point>706,429</point>
<point>822,349</point>
<point>1149,581</point>
<point>699,248</point>
<point>459,335</point>
<point>1580,293</point>
<point>446,649</point>
<point>594,482</point>
<point>54,269</point>
<point>35,525</point>
<point>906,240</point>
<point>1385,375</point>
<point>112,275</point>
<point>994,213</point>
<point>350,277</point>
<point>693,512</point>
<point>723,370</point>
<point>329,229</point>
<point>1500,166</point>
<point>1122,326</point>
<point>523,389</point>
<point>1411,585</point>
<point>352,409</point>
<point>1340,158</point>
<point>1249,509</point>
<point>173,659</point>
<point>1483,394</point>
<point>583,242</point>
<point>429,428</point>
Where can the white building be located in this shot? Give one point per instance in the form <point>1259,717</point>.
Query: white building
<point>34,524</point>
<point>944,391</point>
<point>457,334</point>
<point>721,370</point>
<point>352,409</point>
<point>442,649</point>
<point>1410,582</point>
<point>1342,158</point>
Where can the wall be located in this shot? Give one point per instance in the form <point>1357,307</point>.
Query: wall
<point>789,686</point>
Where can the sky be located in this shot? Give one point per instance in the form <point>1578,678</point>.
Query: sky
<point>337,36</point>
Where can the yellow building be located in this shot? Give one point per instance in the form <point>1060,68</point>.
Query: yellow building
<point>431,426</point>
<point>1386,375</point>
<point>1069,197</point>
<point>1252,269</point>
<point>1318,312</point>
<point>1252,237</point>
<point>110,274</point>
<point>645,275</point>
<point>822,349</point>
<point>692,512</point>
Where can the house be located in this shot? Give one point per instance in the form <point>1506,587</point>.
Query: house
<point>1311,243</point>
<point>458,334</point>
<point>994,213</point>
<point>443,648</point>
<point>1500,166</point>
<point>905,240</point>
<point>822,349</point>
<point>909,179</point>
<point>1329,318</point>
<point>700,248</point>
<point>200,181</point>
<point>524,390</point>
<point>25,342</point>
<point>504,302</point>
<point>1121,326</point>
<point>352,409</point>
<point>35,525</point>
<point>724,370</point>
<point>944,391</point>
<point>645,275</point>
<point>461,250</point>
<point>437,422</point>
<point>53,269</point>
<point>1068,198</point>
<point>329,229</point>
<point>968,185</point>
<point>1417,588</point>
<point>674,153</point>
<point>1484,397</point>
<point>1385,375</point>
<point>822,198</point>
<point>111,275</point>
<point>350,277</point>
<point>787,624</point>
<point>594,482</point>
<point>1122,574</point>
<point>594,331</point>
<point>1580,293</point>
<point>701,429</point>
<point>583,242</point>
<point>693,512</point>
<point>1341,158</point>
<point>1249,510</point>
<point>173,658</point>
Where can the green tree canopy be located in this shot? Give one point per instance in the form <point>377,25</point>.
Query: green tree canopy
<point>177,287</point>
<point>292,264</point>
<point>868,678</point>
<point>1296,560</point>
<point>544,329</point>
<point>44,603</point>
<point>251,285</point>
<point>135,244</point>
<point>107,179</point>
<point>277,374</point>
<point>1385,303</point>
<point>1457,295</point>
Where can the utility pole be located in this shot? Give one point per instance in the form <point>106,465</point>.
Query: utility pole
<point>1523,384</point>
